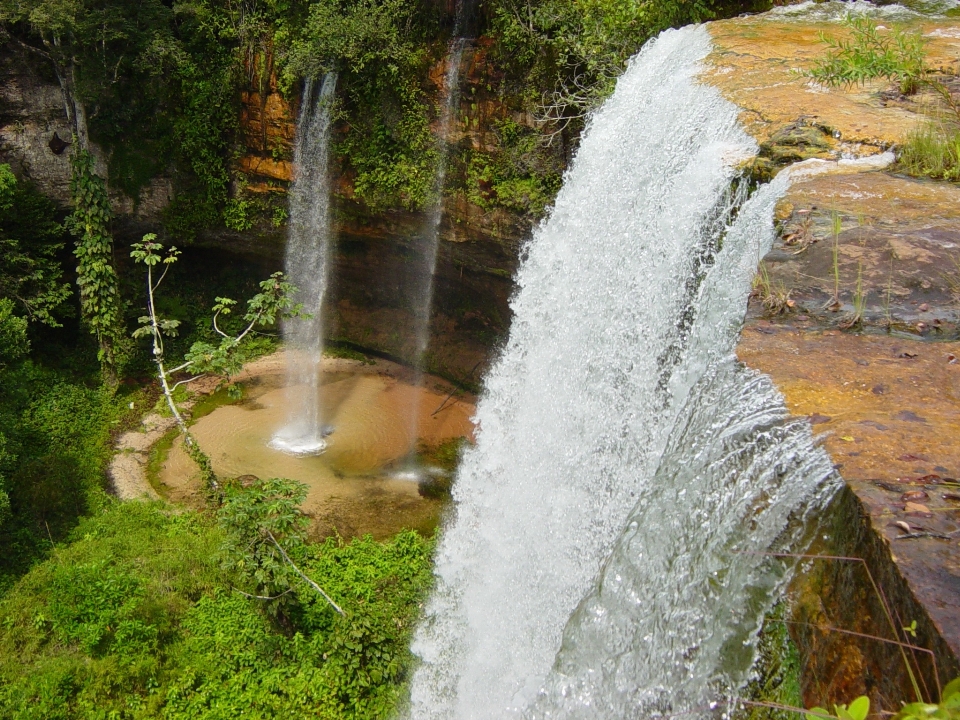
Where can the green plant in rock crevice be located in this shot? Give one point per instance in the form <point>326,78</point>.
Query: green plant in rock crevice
<point>855,319</point>
<point>775,299</point>
<point>932,150</point>
<point>870,54</point>
<point>836,225</point>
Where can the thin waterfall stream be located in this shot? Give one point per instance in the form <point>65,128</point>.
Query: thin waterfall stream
<point>307,267</point>
<point>421,294</point>
<point>606,555</point>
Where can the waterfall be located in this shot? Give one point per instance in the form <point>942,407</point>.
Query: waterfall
<point>307,266</point>
<point>604,558</point>
<point>422,272</point>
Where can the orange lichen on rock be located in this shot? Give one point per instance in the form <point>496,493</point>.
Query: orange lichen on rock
<point>267,123</point>
<point>758,64</point>
<point>888,408</point>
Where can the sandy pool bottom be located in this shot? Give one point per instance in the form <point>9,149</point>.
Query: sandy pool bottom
<point>357,486</point>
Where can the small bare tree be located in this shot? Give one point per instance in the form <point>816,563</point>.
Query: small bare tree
<point>271,304</point>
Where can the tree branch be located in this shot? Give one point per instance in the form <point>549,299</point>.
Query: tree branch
<point>263,597</point>
<point>184,382</point>
<point>301,574</point>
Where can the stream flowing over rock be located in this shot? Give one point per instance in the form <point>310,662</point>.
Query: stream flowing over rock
<point>623,464</point>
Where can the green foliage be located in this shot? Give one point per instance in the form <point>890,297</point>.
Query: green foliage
<point>261,522</point>
<point>97,280</point>
<point>932,150</point>
<point>13,344</point>
<point>566,56</point>
<point>61,438</point>
<point>870,54</point>
<point>351,666</point>
<point>265,309</point>
<point>203,130</point>
<point>381,51</point>
<point>947,709</point>
<point>168,638</point>
<point>344,351</point>
<point>236,215</point>
<point>162,79</point>
<point>30,238</point>
<point>54,446</point>
<point>13,333</point>
<point>83,634</point>
<point>524,175</point>
<point>106,52</point>
<point>857,710</point>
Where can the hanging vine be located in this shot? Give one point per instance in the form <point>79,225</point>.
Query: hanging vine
<point>97,280</point>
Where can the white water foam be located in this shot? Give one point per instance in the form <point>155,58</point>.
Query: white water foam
<point>615,396</point>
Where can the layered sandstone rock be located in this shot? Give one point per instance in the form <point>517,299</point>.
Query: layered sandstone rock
<point>864,343</point>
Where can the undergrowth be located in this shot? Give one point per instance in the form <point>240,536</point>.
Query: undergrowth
<point>136,617</point>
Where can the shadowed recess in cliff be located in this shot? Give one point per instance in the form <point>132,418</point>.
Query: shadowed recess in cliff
<point>307,266</point>
<point>616,413</point>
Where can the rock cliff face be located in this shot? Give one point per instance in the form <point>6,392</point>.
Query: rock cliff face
<point>855,318</point>
<point>478,252</point>
<point>479,248</point>
<point>31,112</point>
<point>35,136</point>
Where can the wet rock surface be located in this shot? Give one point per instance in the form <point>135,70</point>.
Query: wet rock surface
<point>887,409</point>
<point>854,316</point>
<point>759,62</point>
<point>897,243</point>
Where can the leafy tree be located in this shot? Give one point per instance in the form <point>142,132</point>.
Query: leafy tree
<point>30,238</point>
<point>100,301</point>
<point>264,309</point>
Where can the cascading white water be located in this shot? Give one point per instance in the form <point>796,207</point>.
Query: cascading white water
<point>622,459</point>
<point>307,260</point>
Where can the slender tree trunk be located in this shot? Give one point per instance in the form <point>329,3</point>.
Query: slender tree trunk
<point>66,70</point>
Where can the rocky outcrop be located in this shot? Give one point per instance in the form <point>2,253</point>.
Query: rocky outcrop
<point>35,137</point>
<point>854,316</point>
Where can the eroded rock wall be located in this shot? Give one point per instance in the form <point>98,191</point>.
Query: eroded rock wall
<point>368,300</point>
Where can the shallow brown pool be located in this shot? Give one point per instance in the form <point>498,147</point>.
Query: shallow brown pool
<point>358,485</point>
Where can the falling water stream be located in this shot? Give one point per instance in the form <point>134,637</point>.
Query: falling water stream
<point>605,558</point>
<point>307,267</point>
<point>422,280</point>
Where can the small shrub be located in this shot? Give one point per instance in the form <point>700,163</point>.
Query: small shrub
<point>869,54</point>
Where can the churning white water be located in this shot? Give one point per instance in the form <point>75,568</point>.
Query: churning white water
<point>603,557</point>
<point>307,267</point>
